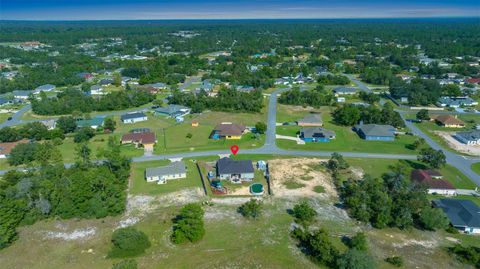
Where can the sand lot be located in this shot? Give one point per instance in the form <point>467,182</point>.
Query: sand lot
<point>455,144</point>
<point>302,173</point>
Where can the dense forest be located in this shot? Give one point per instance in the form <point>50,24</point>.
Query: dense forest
<point>72,100</point>
<point>257,52</point>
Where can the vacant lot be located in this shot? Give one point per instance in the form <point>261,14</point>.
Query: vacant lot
<point>230,241</point>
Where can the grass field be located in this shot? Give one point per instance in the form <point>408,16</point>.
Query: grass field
<point>476,168</point>
<point>230,241</point>
<point>4,117</point>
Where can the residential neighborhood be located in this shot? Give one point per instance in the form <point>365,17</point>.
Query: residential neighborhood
<point>157,141</point>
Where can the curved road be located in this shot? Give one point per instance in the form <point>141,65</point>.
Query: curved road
<point>460,162</point>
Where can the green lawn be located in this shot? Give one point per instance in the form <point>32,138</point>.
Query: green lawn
<point>140,186</point>
<point>346,139</point>
<point>4,117</point>
<point>428,127</point>
<point>476,168</point>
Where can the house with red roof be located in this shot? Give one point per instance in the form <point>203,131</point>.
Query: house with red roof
<point>146,140</point>
<point>434,182</point>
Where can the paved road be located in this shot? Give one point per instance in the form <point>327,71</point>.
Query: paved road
<point>16,117</point>
<point>460,162</point>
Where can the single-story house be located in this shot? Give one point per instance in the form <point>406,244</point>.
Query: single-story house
<point>85,75</point>
<point>172,111</point>
<point>245,88</point>
<point>50,124</point>
<point>434,182</point>
<point>45,88</point>
<point>133,117</point>
<point>473,80</point>
<point>316,134</point>
<point>158,85</point>
<point>174,170</point>
<point>5,101</point>
<point>376,132</point>
<point>235,170</point>
<point>469,137</point>
<point>21,95</point>
<point>448,121</point>
<point>96,90</point>
<point>6,148</point>
<point>228,130</point>
<point>456,101</point>
<point>463,214</point>
<point>105,82</point>
<point>147,140</point>
<point>93,123</point>
<point>312,119</point>
<point>344,91</point>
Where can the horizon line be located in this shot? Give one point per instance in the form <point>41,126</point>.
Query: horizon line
<point>245,19</point>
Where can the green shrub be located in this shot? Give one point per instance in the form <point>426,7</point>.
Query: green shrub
<point>188,225</point>
<point>304,213</point>
<point>251,209</point>
<point>128,242</point>
<point>125,264</point>
<point>395,261</point>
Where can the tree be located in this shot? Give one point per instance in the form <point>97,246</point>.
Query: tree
<point>83,135</point>
<point>189,135</point>
<point>451,90</point>
<point>347,115</point>
<point>109,124</point>
<point>125,264</point>
<point>342,164</point>
<point>423,115</point>
<point>260,127</point>
<point>433,219</point>
<point>359,242</point>
<point>433,158</point>
<point>117,79</point>
<point>128,242</point>
<point>304,213</point>
<point>22,153</point>
<point>251,209</point>
<point>188,225</point>
<point>356,259</point>
<point>318,245</point>
<point>418,143</point>
<point>83,154</point>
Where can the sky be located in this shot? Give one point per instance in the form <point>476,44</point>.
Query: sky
<point>232,9</point>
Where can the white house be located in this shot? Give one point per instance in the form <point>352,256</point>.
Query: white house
<point>133,117</point>
<point>174,170</point>
<point>96,90</point>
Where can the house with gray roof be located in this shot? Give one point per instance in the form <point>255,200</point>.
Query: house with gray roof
<point>316,134</point>
<point>172,111</point>
<point>463,214</point>
<point>45,88</point>
<point>312,119</point>
<point>5,101</point>
<point>174,170</point>
<point>133,117</point>
<point>236,171</point>
<point>445,101</point>
<point>344,91</point>
<point>468,137</point>
<point>376,132</point>
<point>21,95</point>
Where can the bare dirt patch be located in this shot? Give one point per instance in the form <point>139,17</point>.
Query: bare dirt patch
<point>455,144</point>
<point>298,172</point>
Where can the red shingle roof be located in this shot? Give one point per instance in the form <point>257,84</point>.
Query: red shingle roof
<point>142,138</point>
<point>425,177</point>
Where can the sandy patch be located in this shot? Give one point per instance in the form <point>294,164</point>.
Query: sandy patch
<point>73,235</point>
<point>244,190</point>
<point>455,144</point>
<point>299,171</point>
